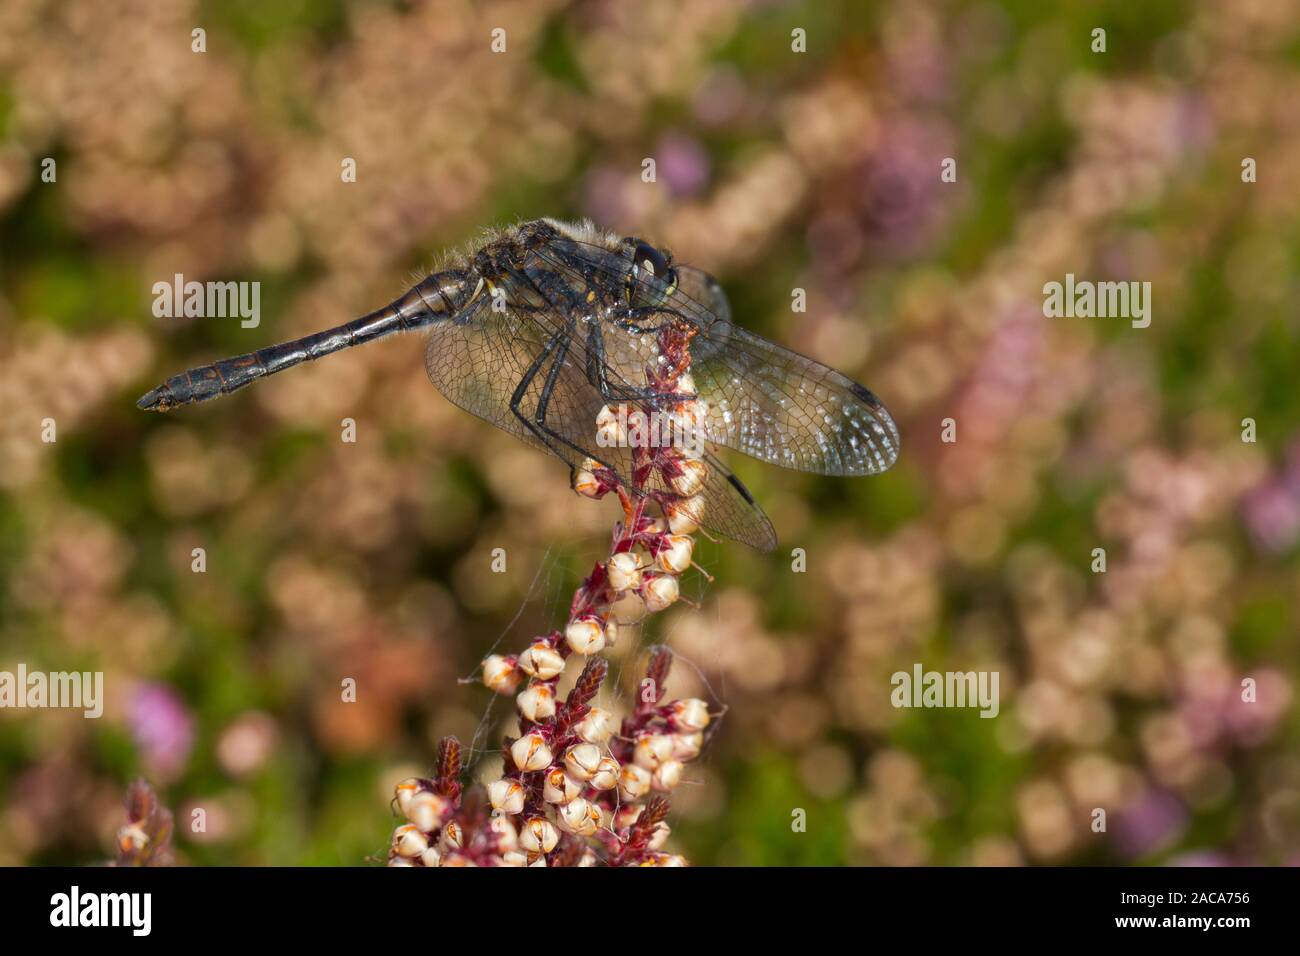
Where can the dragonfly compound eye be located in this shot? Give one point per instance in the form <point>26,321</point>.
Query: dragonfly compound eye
<point>652,279</point>
<point>648,259</point>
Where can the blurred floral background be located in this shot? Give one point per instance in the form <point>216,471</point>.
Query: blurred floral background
<point>776,170</point>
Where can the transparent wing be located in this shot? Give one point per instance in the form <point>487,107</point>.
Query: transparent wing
<point>705,301</point>
<point>769,402</point>
<point>778,406</point>
<point>730,510</point>
<point>478,359</point>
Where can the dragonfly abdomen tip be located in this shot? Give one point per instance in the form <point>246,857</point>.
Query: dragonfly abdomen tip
<point>156,400</point>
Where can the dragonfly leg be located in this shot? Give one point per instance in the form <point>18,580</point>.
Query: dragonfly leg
<point>548,386</point>
<point>598,376</point>
<point>598,371</point>
<point>556,347</point>
<point>544,401</point>
<point>625,320</point>
<point>530,373</point>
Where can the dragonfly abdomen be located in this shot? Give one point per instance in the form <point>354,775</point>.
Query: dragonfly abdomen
<point>438,297</point>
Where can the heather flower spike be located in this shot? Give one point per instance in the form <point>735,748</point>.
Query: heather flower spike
<point>579,787</point>
<point>448,781</point>
<point>145,839</point>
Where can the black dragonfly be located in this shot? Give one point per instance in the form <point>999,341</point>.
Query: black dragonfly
<point>543,325</point>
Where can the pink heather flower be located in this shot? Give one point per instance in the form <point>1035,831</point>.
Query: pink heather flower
<point>1154,821</point>
<point>1271,512</point>
<point>162,728</point>
<point>682,163</point>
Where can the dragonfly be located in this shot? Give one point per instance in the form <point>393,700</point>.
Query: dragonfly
<point>542,325</point>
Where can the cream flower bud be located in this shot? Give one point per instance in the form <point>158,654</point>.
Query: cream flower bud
<point>542,661</point>
<point>606,775</point>
<point>687,746</point>
<point>633,782</point>
<point>514,858</point>
<point>659,836</point>
<point>596,727</point>
<point>409,841</point>
<point>627,815</point>
<point>683,516</point>
<point>628,609</point>
<point>530,752</point>
<point>584,480</point>
<point>582,761</point>
<point>611,632</point>
<point>611,429</point>
<point>428,810</point>
<point>560,787</point>
<point>431,857</point>
<point>506,795</point>
<point>690,478</point>
<point>690,715</point>
<point>404,791</point>
<point>507,838</point>
<point>624,571</point>
<point>660,592</point>
<point>656,525</point>
<point>675,556</point>
<point>671,859</point>
<point>588,859</point>
<point>501,674</point>
<point>538,835</point>
<point>667,776</point>
<point>585,636</point>
<point>580,817</point>
<point>652,749</point>
<point>457,860</point>
<point>453,837</point>
<point>131,838</point>
<point>399,861</point>
<point>537,702</point>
